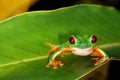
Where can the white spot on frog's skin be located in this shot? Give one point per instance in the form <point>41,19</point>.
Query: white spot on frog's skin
<point>81,52</point>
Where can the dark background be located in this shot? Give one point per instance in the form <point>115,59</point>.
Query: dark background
<point>54,4</point>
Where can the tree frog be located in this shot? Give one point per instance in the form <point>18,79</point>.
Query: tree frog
<point>77,45</point>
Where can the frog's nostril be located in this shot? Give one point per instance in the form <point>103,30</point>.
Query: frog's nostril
<point>83,45</point>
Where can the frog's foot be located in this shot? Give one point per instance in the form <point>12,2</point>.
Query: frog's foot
<point>53,48</point>
<point>99,60</point>
<point>55,64</point>
<point>64,51</point>
<point>100,56</point>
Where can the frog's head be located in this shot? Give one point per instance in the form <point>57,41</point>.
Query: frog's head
<point>82,41</point>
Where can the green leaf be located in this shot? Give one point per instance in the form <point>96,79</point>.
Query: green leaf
<point>23,53</point>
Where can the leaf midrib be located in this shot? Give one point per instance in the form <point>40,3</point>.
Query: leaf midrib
<point>23,61</point>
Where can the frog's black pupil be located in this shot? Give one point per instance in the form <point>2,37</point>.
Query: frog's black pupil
<point>72,40</point>
<point>94,39</point>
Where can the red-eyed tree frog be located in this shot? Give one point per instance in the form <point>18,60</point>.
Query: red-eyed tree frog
<point>77,45</point>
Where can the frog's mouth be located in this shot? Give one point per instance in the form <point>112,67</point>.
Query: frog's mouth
<point>81,52</point>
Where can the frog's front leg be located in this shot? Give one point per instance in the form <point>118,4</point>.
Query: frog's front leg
<point>65,51</point>
<point>52,62</point>
<point>53,48</point>
<point>99,54</point>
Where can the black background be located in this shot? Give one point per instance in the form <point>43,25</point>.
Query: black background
<point>54,4</point>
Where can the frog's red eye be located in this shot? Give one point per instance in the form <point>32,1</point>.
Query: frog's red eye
<point>72,40</point>
<point>94,39</point>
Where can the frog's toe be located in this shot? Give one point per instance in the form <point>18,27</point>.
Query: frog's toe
<point>100,60</point>
<point>48,65</point>
<point>60,63</point>
<point>55,67</point>
<point>66,50</point>
<point>95,59</point>
<point>53,48</point>
<point>56,64</point>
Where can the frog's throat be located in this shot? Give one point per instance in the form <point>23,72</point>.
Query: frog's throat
<point>81,52</point>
